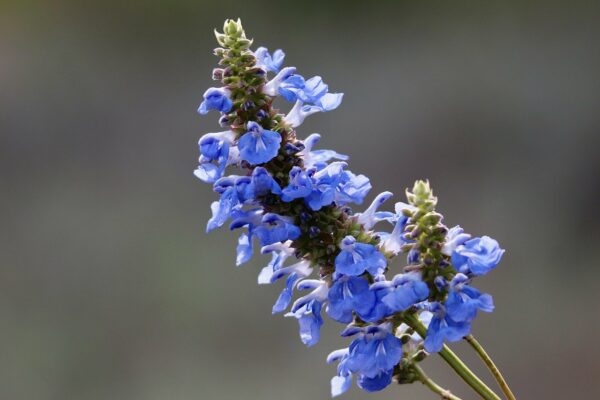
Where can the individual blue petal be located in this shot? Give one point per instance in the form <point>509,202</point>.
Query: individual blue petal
<point>258,145</point>
<point>477,256</point>
<point>367,218</point>
<point>215,99</point>
<point>349,294</point>
<point>310,322</point>
<point>393,242</point>
<point>267,61</point>
<point>340,385</point>
<point>376,383</point>
<point>291,87</point>
<point>222,209</point>
<point>244,249</point>
<point>330,101</point>
<point>285,298</point>
<point>356,258</point>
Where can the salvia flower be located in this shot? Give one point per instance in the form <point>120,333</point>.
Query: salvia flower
<point>296,203</point>
<point>215,99</point>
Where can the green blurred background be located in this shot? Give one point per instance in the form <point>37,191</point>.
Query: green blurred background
<point>109,287</point>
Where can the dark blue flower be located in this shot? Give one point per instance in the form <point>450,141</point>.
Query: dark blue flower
<point>275,228</point>
<point>267,61</point>
<point>216,99</point>
<point>379,310</point>
<point>408,289</point>
<point>376,383</point>
<point>477,256</point>
<point>258,145</point>
<point>463,300</point>
<point>263,183</point>
<point>356,258</point>
<point>349,294</point>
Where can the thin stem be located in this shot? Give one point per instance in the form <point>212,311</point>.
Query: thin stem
<point>491,366</point>
<point>455,363</point>
<point>427,381</point>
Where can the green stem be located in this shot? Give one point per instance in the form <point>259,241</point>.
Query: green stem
<point>427,381</point>
<point>491,366</point>
<point>455,363</point>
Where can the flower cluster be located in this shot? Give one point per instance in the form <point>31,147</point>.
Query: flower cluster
<point>295,202</point>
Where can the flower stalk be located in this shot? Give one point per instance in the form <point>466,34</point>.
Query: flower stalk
<point>491,366</point>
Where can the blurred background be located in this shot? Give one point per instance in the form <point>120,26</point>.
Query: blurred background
<point>109,287</point>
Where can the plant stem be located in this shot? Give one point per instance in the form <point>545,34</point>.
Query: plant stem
<point>491,366</point>
<point>455,363</point>
<point>427,381</point>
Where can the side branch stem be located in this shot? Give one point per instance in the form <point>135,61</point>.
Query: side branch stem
<point>491,366</point>
<point>427,381</point>
<point>455,363</point>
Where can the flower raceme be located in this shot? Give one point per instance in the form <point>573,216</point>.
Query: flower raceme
<point>295,202</point>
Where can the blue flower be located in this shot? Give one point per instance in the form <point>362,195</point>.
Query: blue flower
<point>271,88</point>
<point>356,258</point>
<point>267,61</point>
<point>241,218</point>
<point>275,228</point>
<point>380,310</point>
<point>310,321</point>
<point>455,237</point>
<point>463,300</point>
<point>258,145</point>
<point>477,256</point>
<point>216,99</point>
<point>296,88</point>
<point>263,183</point>
<point>352,188</point>
<point>300,185</point>
<point>408,289</point>
<point>317,158</point>
<point>325,186</point>
<point>443,328</point>
<point>214,155</point>
<point>370,217</point>
<point>374,352</point>
<point>300,111</point>
<point>307,310</point>
<point>280,252</point>
<point>349,294</point>
<point>376,383</point>
<point>228,202</point>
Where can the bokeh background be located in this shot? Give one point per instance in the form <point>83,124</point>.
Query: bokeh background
<point>109,287</point>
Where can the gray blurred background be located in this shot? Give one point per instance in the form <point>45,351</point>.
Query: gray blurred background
<point>109,287</point>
